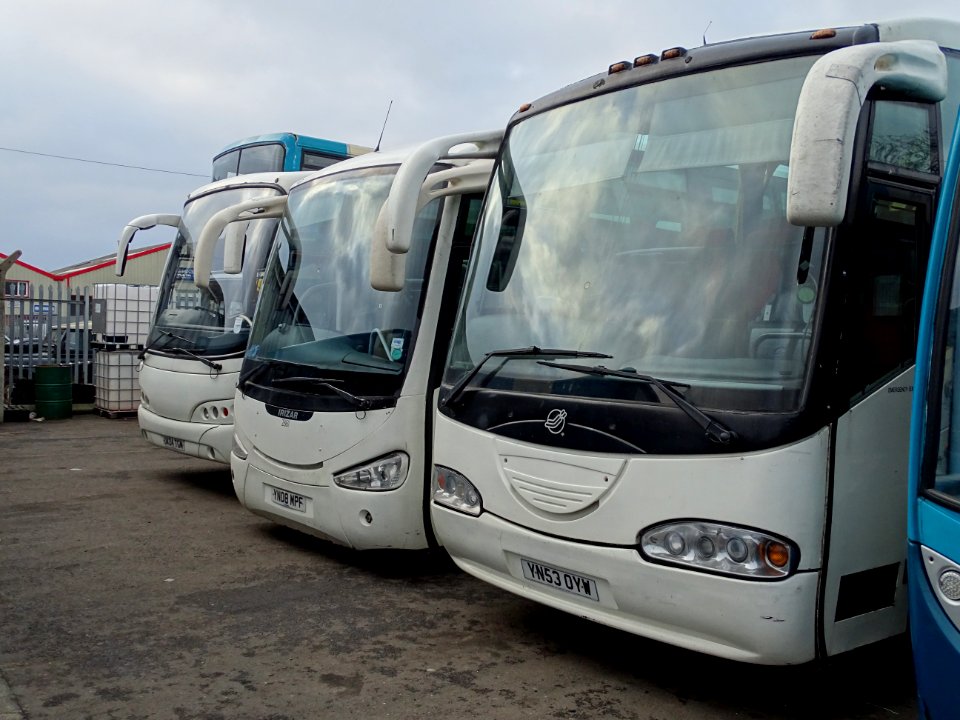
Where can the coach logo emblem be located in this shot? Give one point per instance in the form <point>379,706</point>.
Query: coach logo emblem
<point>556,421</point>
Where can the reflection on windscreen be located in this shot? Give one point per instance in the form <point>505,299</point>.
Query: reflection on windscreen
<point>649,224</point>
<point>212,321</point>
<point>318,308</point>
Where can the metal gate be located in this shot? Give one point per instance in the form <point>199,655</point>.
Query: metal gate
<point>49,326</point>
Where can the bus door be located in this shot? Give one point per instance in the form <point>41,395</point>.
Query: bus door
<point>933,562</point>
<point>881,267</point>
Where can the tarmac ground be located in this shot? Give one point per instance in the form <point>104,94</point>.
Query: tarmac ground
<point>134,585</point>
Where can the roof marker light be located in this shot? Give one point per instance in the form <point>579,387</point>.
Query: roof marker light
<point>824,34</point>
<point>673,53</point>
<point>648,59</point>
<point>618,67</point>
<point>525,107</point>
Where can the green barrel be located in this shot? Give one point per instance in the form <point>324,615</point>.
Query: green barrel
<point>53,392</point>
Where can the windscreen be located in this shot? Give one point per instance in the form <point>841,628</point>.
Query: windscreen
<point>214,321</point>
<point>319,315</point>
<point>649,224</point>
<point>267,157</point>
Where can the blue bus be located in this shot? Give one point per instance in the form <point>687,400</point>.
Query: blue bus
<point>280,152</point>
<point>933,519</point>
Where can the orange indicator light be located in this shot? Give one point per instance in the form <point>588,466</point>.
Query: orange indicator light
<point>618,67</point>
<point>777,554</point>
<point>525,107</point>
<point>825,34</point>
<point>649,59</point>
<point>673,53</point>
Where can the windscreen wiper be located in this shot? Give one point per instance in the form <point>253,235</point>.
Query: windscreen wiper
<point>189,353</point>
<point>714,429</point>
<point>162,334</point>
<point>250,372</point>
<point>183,351</point>
<point>532,351</point>
<point>360,403</point>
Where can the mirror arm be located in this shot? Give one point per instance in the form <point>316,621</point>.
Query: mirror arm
<point>256,209</point>
<point>144,222</point>
<point>402,202</point>
<point>828,110</point>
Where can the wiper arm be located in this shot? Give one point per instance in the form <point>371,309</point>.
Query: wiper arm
<point>183,351</point>
<point>358,402</point>
<point>206,361</point>
<point>532,351</point>
<point>250,372</point>
<point>162,335</point>
<point>715,430</point>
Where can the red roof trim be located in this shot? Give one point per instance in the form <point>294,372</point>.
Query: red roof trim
<point>89,268</point>
<point>34,268</point>
<point>113,261</point>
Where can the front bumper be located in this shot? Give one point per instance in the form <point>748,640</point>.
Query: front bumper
<point>202,440</point>
<point>751,621</point>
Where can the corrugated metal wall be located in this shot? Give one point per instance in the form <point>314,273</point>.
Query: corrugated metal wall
<point>144,270</point>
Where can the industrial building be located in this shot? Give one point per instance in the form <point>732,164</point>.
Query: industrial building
<point>144,267</point>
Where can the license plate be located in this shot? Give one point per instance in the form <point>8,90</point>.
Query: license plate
<point>560,579</point>
<point>288,499</point>
<point>175,443</point>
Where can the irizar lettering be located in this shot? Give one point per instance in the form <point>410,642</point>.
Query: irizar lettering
<point>291,414</point>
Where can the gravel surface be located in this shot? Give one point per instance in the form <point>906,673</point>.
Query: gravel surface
<point>133,585</point>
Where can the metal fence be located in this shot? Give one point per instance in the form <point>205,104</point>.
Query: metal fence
<point>50,326</point>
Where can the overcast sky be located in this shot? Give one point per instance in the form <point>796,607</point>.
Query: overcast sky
<point>167,84</point>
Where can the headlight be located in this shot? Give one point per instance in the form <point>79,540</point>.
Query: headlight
<point>720,548</point>
<point>237,448</point>
<point>387,473</point>
<point>453,490</point>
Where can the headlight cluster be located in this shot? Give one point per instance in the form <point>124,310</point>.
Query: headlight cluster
<point>453,490</point>
<point>720,548</point>
<point>386,473</point>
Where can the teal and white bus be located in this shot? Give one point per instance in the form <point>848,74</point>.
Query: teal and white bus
<point>933,518</point>
<point>281,152</point>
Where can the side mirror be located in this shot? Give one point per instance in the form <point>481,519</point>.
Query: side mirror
<point>387,269</point>
<point>235,242</point>
<point>268,207</point>
<point>821,153</point>
<point>508,248</point>
<point>144,222</point>
<point>402,204</point>
<point>387,266</point>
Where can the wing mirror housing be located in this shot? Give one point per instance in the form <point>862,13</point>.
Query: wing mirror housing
<point>256,209</point>
<point>235,245</point>
<point>833,94</point>
<point>144,222</point>
<point>402,204</point>
<point>414,187</point>
<point>388,268</point>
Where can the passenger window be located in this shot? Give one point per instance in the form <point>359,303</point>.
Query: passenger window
<point>886,287</point>
<point>316,161</point>
<point>948,108</point>
<point>225,166</point>
<point>904,136</point>
<point>947,478</point>
<point>261,158</point>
